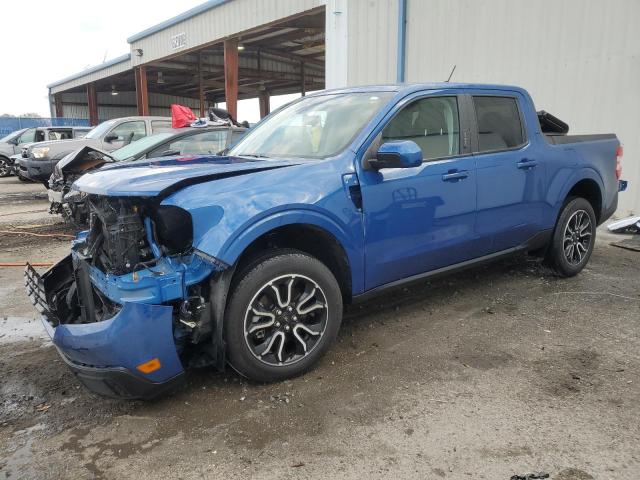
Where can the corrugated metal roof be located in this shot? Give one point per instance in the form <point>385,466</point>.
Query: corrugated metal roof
<point>97,68</point>
<point>177,19</point>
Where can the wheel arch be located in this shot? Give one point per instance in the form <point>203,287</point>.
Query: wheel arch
<point>309,238</point>
<point>591,191</point>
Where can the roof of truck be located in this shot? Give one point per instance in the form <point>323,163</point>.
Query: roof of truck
<point>411,87</point>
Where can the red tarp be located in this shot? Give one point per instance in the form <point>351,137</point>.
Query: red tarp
<point>181,116</point>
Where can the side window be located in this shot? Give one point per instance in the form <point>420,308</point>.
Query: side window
<point>430,122</point>
<point>80,133</point>
<point>236,135</point>
<point>129,131</point>
<point>28,136</point>
<point>160,126</point>
<point>205,143</point>
<point>499,123</point>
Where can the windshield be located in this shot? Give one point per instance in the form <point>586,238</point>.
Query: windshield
<point>315,127</point>
<point>101,129</point>
<point>12,135</point>
<point>136,148</point>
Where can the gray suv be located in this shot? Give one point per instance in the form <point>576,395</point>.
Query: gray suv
<point>14,143</point>
<point>39,160</point>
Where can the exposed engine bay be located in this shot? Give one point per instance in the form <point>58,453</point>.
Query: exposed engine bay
<point>132,240</point>
<point>64,201</point>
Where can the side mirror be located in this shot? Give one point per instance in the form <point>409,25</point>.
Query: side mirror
<point>110,138</point>
<point>397,154</point>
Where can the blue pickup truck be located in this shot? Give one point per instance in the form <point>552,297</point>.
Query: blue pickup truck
<point>247,259</point>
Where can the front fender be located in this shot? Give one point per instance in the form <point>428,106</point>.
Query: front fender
<point>227,245</point>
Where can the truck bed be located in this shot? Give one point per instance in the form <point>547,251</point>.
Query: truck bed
<point>560,139</point>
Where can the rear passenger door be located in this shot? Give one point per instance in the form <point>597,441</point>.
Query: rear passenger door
<point>510,176</point>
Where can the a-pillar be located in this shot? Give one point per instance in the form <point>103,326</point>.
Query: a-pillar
<point>231,76</point>
<point>92,101</point>
<point>265,104</point>
<point>142,94</point>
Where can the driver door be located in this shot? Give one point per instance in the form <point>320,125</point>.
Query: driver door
<point>421,219</point>
<point>124,134</point>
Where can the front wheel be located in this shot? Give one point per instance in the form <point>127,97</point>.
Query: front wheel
<point>573,239</point>
<point>5,168</point>
<point>284,313</point>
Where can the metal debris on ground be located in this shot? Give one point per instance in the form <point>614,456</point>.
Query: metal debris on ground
<point>530,476</point>
<point>626,225</point>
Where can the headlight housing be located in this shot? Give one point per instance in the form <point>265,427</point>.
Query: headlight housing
<point>40,152</point>
<point>174,228</point>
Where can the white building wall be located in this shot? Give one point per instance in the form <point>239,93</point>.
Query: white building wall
<point>123,105</point>
<point>579,59</point>
<point>216,24</point>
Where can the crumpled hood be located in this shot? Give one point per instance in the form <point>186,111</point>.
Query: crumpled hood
<point>154,177</point>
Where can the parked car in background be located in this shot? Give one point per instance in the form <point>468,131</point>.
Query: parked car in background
<point>40,158</point>
<point>248,258</point>
<point>199,141</point>
<point>14,143</point>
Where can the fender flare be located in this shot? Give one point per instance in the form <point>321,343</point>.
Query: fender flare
<point>584,173</point>
<point>237,243</point>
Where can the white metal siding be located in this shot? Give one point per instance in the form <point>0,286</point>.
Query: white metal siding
<point>93,76</point>
<point>123,105</point>
<point>372,41</point>
<point>225,20</point>
<point>579,59</point>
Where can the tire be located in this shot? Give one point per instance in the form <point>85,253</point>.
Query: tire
<point>573,238</point>
<point>5,169</point>
<point>287,336</point>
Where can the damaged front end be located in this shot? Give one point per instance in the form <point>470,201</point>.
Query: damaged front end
<point>130,307</point>
<point>64,200</point>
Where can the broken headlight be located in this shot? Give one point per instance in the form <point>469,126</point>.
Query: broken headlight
<point>174,228</point>
<point>40,152</point>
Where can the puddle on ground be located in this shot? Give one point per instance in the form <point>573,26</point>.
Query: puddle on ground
<point>19,462</point>
<point>21,329</point>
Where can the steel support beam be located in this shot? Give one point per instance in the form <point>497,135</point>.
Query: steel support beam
<point>92,101</point>
<point>231,76</point>
<point>142,92</point>
<point>59,106</point>
<point>203,112</point>
<point>265,103</point>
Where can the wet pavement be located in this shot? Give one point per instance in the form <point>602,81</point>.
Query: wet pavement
<point>500,371</point>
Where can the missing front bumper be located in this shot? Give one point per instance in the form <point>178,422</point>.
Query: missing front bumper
<point>106,355</point>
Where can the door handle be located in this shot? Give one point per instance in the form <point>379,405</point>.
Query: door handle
<point>527,163</point>
<point>455,176</point>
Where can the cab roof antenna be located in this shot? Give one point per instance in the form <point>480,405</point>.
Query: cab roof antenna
<point>451,74</point>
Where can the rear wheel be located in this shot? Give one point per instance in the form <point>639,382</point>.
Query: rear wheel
<point>573,239</point>
<point>284,313</point>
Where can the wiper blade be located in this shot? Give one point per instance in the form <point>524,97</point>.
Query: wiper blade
<point>255,155</point>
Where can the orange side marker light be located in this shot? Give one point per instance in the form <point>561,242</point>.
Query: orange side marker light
<point>150,366</point>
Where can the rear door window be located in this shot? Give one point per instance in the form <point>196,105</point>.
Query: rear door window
<point>499,123</point>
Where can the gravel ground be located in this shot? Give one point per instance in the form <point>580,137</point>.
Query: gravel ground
<point>500,371</point>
